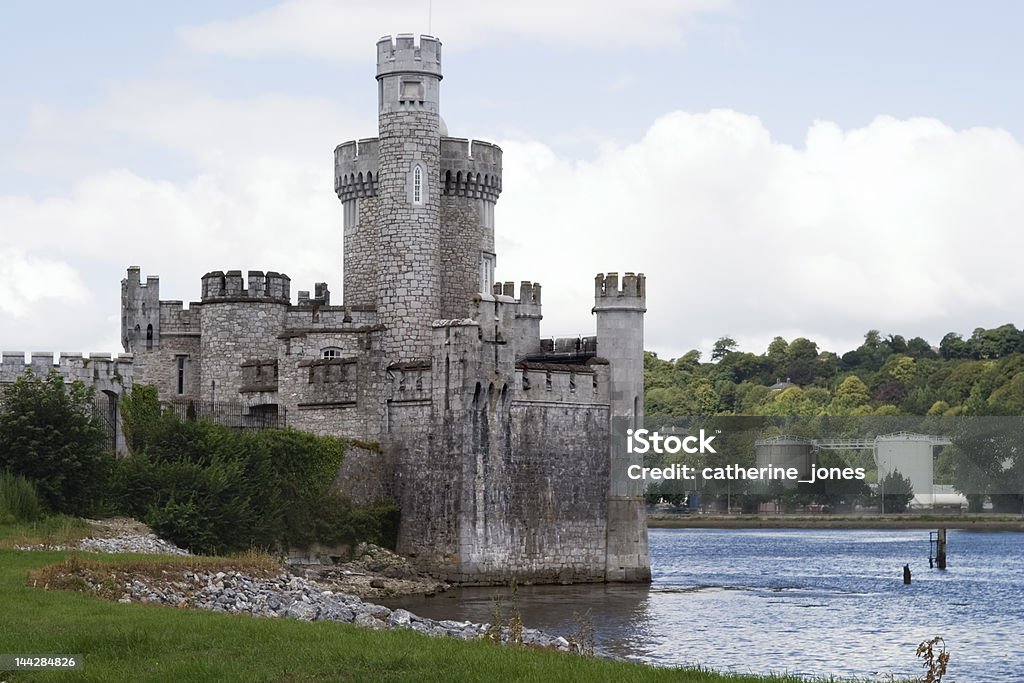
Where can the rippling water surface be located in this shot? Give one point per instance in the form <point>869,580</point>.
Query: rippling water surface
<point>813,602</point>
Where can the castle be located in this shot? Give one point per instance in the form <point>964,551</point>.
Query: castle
<point>495,443</point>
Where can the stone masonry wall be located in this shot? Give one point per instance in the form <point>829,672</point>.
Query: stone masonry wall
<point>408,292</point>
<point>337,399</point>
<point>462,239</point>
<point>159,366</point>
<point>234,332</point>
<point>361,255</point>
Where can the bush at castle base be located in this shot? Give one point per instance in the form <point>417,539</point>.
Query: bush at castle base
<point>52,434</point>
<point>210,489</point>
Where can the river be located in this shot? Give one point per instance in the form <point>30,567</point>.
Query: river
<point>802,601</point>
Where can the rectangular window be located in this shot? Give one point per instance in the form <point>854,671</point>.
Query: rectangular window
<point>180,362</point>
<point>412,91</point>
<point>351,213</point>
<point>487,214</point>
<point>487,273</point>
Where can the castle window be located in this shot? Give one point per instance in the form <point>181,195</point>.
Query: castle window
<point>149,339</point>
<point>412,91</point>
<point>486,214</point>
<point>547,380</point>
<point>179,362</point>
<point>330,352</point>
<point>417,184</point>
<point>351,213</point>
<point>486,272</point>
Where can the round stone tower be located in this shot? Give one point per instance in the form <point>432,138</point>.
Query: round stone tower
<point>620,339</point>
<point>408,270</point>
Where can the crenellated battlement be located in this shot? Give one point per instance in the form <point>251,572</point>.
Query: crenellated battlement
<point>100,370</point>
<point>529,292</point>
<point>321,296</point>
<point>582,383</point>
<point>632,286</point>
<point>402,54</point>
<point>176,319</point>
<point>356,164</point>
<point>569,345</point>
<point>230,286</point>
<point>470,168</point>
<point>135,276</point>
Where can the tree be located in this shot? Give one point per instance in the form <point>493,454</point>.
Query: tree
<point>52,434</point>
<point>723,347</point>
<point>954,346</point>
<point>801,361</point>
<point>852,393</point>
<point>919,348</point>
<point>896,492</point>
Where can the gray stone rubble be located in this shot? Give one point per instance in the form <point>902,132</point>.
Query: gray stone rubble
<point>295,597</point>
<point>149,544</point>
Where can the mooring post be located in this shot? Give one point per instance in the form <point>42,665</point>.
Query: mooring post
<point>906,574</point>
<point>940,549</point>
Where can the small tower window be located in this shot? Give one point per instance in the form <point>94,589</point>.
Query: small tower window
<point>330,352</point>
<point>351,213</point>
<point>417,184</point>
<point>179,362</point>
<point>486,273</point>
<point>149,337</point>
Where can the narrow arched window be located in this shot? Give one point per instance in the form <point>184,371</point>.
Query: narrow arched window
<point>417,184</point>
<point>149,337</point>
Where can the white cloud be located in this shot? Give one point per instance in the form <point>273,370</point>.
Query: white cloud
<point>908,226</point>
<point>29,281</point>
<point>337,31</point>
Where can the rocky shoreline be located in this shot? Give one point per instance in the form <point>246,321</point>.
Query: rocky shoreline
<point>320,593</point>
<point>292,596</point>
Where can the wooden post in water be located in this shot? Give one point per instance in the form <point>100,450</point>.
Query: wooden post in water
<point>906,574</point>
<point>940,549</point>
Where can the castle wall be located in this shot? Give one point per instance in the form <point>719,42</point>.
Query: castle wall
<point>159,367</point>
<point>109,377</point>
<point>552,527</point>
<point>332,396</point>
<point>462,237</point>
<point>234,333</point>
<point>313,317</point>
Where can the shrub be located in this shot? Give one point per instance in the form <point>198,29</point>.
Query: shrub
<point>18,499</point>
<point>213,490</point>
<point>52,434</point>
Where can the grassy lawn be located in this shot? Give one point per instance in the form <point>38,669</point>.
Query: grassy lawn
<point>149,643</point>
<point>52,530</point>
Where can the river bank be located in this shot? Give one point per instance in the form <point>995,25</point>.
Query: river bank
<point>894,521</point>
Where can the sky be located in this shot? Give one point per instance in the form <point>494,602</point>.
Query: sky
<point>786,168</point>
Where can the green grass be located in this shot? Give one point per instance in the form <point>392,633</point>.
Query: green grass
<point>50,530</point>
<point>149,643</point>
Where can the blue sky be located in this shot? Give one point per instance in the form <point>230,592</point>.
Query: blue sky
<point>776,168</point>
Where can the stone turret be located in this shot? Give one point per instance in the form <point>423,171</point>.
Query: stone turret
<point>140,312</point>
<point>620,340</point>
<point>408,273</point>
